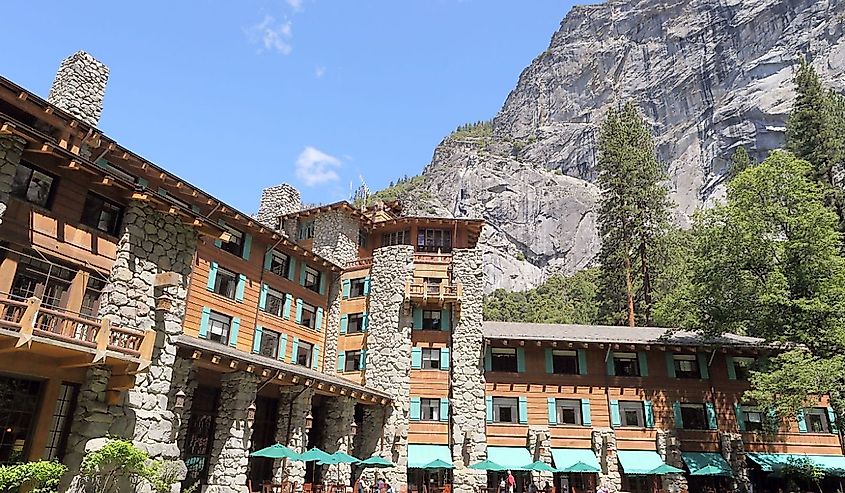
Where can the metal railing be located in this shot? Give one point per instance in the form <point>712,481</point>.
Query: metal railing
<point>426,291</point>
<point>359,262</point>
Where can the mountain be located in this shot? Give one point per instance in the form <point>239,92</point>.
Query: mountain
<point>708,75</point>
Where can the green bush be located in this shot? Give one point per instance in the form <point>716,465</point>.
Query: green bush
<point>38,477</point>
<point>121,459</point>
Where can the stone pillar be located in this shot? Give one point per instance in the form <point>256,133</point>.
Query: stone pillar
<point>230,452</point>
<point>294,406</point>
<point>11,149</point>
<point>668,446</point>
<point>332,326</point>
<point>91,420</point>
<point>277,201</point>
<point>540,446</point>
<point>368,441</point>
<point>604,445</point>
<point>733,450</point>
<point>80,87</point>
<point>184,379</point>
<point>469,415</point>
<point>336,237</point>
<point>337,435</point>
<point>389,359</point>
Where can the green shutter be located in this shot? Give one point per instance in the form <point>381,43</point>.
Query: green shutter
<point>670,365</point>
<point>550,362</point>
<point>831,418</point>
<point>302,275</point>
<point>233,331</point>
<point>488,359</point>
<point>489,402</point>
<point>802,422</point>
<point>315,357</point>
<point>615,417</point>
<point>702,366</point>
<point>268,260</point>
<point>367,286</point>
<point>262,297</point>
<point>740,416</point>
<point>523,410</point>
<point>294,348</point>
<point>642,358</point>
<point>417,318</point>
<point>212,276</point>
<point>341,362</point>
<point>247,246</point>
<point>347,287</point>
<point>582,362</point>
<point>206,312</point>
<point>648,409</point>
<point>611,367</point>
<point>287,306</point>
<point>365,322</point>
<point>415,409</point>
<point>520,359</point>
<point>299,311</point>
<point>318,323</point>
<point>256,339</point>
<point>322,283</point>
<point>292,269</point>
<point>551,403</point>
<point>586,416</point>
<point>731,368</point>
<point>218,242</point>
<point>283,347</point>
<point>445,320</point>
<point>363,364</point>
<point>344,323</point>
<point>416,358</point>
<point>710,408</point>
<point>239,290</point>
<point>679,418</point>
<point>444,409</point>
<point>444,358</point>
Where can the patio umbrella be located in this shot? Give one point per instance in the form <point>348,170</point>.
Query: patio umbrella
<point>709,471</point>
<point>487,465</point>
<point>665,469</point>
<point>581,467</point>
<point>538,466</point>
<point>276,451</point>
<point>438,464</point>
<point>317,455</point>
<point>344,458</point>
<point>377,462</point>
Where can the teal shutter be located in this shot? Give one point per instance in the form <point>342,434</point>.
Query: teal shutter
<point>802,422</point>
<point>445,319</point>
<point>611,367</point>
<point>489,401</point>
<point>315,357</point>
<point>550,362</point>
<point>731,368</point>
<point>415,409</point>
<point>206,312</point>
<point>740,416</point>
<point>247,246</point>
<point>292,269</point>
<point>262,297</point>
<point>488,359</point>
<point>218,242</point>
<point>256,339</point>
<point>341,362</point>
<point>670,365</point>
<point>294,348</point>
<point>520,360</point>
<point>416,358</point>
<point>347,286</point>
<point>367,286</point>
<point>322,283</point>
<point>302,275</point>
<point>283,347</point>
<point>582,362</point>
<point>212,276</point>
<point>239,290</point>
<point>286,308</point>
<point>642,358</point>
<point>702,366</point>
<point>233,331</point>
<point>363,364</point>
<point>615,417</point>
<point>586,415</point>
<point>318,323</point>
<point>831,418</point>
<point>299,310</point>
<point>344,324</point>
<point>523,410</point>
<point>365,322</point>
<point>648,409</point>
<point>268,260</point>
<point>711,415</point>
<point>444,358</point>
<point>679,418</point>
<point>418,318</point>
<point>444,409</point>
<point>552,405</point>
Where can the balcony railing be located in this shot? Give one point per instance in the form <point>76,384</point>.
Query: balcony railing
<point>433,292</point>
<point>29,318</point>
<point>358,263</point>
<point>433,258</point>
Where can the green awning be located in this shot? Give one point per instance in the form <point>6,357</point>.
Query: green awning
<point>706,464</point>
<point>509,457</point>
<point>833,465</point>
<point>421,455</point>
<point>568,459</point>
<point>641,462</point>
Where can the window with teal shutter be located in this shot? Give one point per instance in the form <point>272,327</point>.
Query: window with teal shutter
<point>268,260</point>
<point>550,362</point>
<point>489,402</point>
<point>365,322</point>
<point>731,368</point>
<point>212,276</point>
<point>523,410</point>
<point>206,313</point>
<point>344,323</point>
<point>615,417</point>
<point>415,409</point>
<point>710,408</point>
<point>233,331</point>
<point>551,402</point>
<point>679,418</point>
<point>649,414</point>
<point>247,246</point>
<point>444,409</point>
<point>341,362</point>
<point>670,364</point>
<point>416,358</point>
<point>283,346</point>
<point>831,417</point>
<point>444,358</point>
<point>611,364</point>
<point>586,416</point>
<point>802,422</point>
<point>239,290</point>
<point>262,297</point>
<point>418,319</point>
<point>256,339</point>
<point>288,303</point>
<point>643,362</point>
<point>299,310</point>
<point>488,359</point>
<point>315,357</point>
<point>363,359</point>
<point>740,416</point>
<point>302,273</point>
<point>292,269</point>
<point>582,362</point>
<point>702,366</point>
<point>346,285</point>
<point>322,283</point>
<point>294,348</point>
<point>366,286</point>
<point>445,319</point>
<point>318,324</point>
<point>520,360</point>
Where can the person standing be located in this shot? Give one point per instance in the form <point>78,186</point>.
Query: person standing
<point>511,482</point>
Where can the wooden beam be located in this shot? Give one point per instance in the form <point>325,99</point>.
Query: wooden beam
<point>121,382</point>
<point>75,362</point>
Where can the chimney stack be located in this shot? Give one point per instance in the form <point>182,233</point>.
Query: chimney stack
<point>80,86</point>
<point>277,201</point>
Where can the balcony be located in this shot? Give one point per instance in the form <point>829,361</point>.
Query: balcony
<point>433,293</point>
<point>433,258</point>
<point>56,331</point>
<point>359,263</point>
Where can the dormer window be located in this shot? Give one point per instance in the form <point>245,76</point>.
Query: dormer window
<point>33,185</point>
<point>306,230</point>
<point>235,243</point>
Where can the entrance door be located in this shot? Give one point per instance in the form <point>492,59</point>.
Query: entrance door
<point>263,435</point>
<point>200,436</point>
<point>18,409</point>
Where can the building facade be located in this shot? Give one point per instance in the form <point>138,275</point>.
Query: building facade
<point>136,305</point>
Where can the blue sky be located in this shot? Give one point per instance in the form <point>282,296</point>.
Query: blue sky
<point>236,96</point>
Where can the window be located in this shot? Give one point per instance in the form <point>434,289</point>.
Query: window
<point>503,359</point>
<point>44,280</point>
<point>568,411</point>
<point>101,214</point>
<point>274,302</point>
<point>626,364</point>
<point>309,316</point>
<point>694,416</point>
<point>396,238</point>
<point>816,419</point>
<point>235,243</point>
<point>303,353</point>
<point>430,409</point>
<point>33,185</point>
<point>312,279</point>
<point>225,283</point>
<point>19,404</point>
<point>218,327</point>
<point>269,344</point>
<point>753,418</point>
<point>432,285</point>
<point>431,319</point>
<point>279,263</point>
<point>356,287</point>
<point>430,359</point>
<point>355,323</point>
<point>352,361</point>
<point>632,413</point>
<point>306,230</point>
<point>742,367</point>
<point>91,297</point>
<point>565,362</point>
<point>686,366</point>
<point>505,410</point>
<point>60,424</point>
<point>434,240</point>
<point>363,238</point>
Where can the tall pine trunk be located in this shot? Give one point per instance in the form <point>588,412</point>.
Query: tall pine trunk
<point>629,288</point>
<point>645,272</point>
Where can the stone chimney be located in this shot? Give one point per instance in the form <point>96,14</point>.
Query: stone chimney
<point>80,86</point>
<point>277,201</point>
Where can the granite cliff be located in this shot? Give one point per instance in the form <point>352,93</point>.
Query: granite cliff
<point>709,75</point>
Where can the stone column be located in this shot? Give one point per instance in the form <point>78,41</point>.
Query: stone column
<point>294,406</point>
<point>337,435</point>
<point>469,415</point>
<point>276,201</point>
<point>540,446</point>
<point>230,452</point>
<point>733,450</point>
<point>389,360</point>
<point>336,237</point>
<point>184,379</point>
<point>91,421</point>
<point>604,445</point>
<point>80,87</point>
<point>668,446</point>
<point>11,149</point>
<point>332,326</point>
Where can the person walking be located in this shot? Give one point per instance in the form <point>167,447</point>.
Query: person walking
<point>511,482</point>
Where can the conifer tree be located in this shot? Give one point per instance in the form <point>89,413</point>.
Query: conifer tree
<point>739,162</point>
<point>633,217</point>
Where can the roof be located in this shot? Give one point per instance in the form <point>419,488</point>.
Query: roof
<point>341,205</point>
<point>610,334</point>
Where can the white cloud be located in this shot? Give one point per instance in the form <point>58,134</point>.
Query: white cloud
<point>295,4</point>
<point>315,167</point>
<point>272,35</point>
<point>319,71</point>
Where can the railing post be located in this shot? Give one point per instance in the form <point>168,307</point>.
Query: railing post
<point>103,336</point>
<point>146,349</point>
<point>28,321</point>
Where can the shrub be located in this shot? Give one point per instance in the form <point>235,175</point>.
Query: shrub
<point>39,477</point>
<point>121,459</point>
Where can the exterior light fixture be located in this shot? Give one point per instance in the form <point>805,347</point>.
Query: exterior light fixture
<point>250,415</point>
<point>180,400</point>
<point>309,421</point>
<point>354,427</point>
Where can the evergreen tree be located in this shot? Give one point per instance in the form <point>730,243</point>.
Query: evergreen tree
<point>739,162</point>
<point>633,217</point>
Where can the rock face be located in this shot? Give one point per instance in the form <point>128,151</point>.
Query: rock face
<point>708,75</point>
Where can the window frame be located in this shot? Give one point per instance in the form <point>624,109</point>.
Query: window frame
<point>573,405</point>
<point>824,421</point>
<point>114,228</point>
<point>742,365</point>
<point>679,359</point>
<point>430,355</point>
<point>428,321</point>
<point>305,231</point>
<point>311,278</point>
<point>261,345</point>
<point>625,359</point>
<point>510,352</point>
<point>355,320</point>
<point>273,294</point>
<point>432,405</point>
<point>22,193</point>
<point>394,238</point>
<point>557,353</point>
<point>434,240</point>
<point>312,310</point>
<point>747,411</point>
<point>637,407</point>
<point>357,287</point>
<point>309,354</point>
<point>510,403</point>
<point>275,256</point>
<point>352,356</point>
<point>698,407</point>
<point>220,276</point>
<point>234,233</point>
<point>223,337</point>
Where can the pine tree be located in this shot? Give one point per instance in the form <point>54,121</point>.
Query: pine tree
<point>739,162</point>
<point>633,217</point>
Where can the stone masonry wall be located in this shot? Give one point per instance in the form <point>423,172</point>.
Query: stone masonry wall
<point>389,359</point>
<point>336,237</point>
<point>540,447</point>
<point>91,420</point>
<point>277,201</point>
<point>668,446</point>
<point>337,435</point>
<point>80,87</point>
<point>604,445</point>
<point>184,379</point>
<point>467,376</point>
<point>294,406</point>
<point>11,149</point>
<point>733,450</point>
<point>332,325</point>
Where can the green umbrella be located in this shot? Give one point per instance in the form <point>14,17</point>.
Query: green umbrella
<point>438,464</point>
<point>276,451</point>
<point>344,458</point>
<point>487,465</point>
<point>317,455</point>
<point>538,466</point>
<point>665,469</point>
<point>581,467</point>
<point>710,471</point>
<point>377,462</point>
